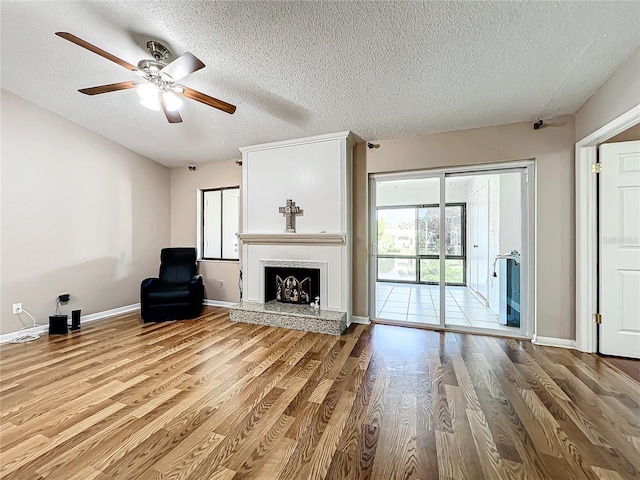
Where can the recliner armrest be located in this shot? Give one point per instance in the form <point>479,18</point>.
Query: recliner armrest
<point>196,284</point>
<point>147,282</point>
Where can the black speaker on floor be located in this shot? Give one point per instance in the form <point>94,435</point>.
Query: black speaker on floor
<point>57,324</point>
<point>75,319</point>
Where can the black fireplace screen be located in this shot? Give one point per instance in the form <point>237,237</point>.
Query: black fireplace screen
<point>291,285</point>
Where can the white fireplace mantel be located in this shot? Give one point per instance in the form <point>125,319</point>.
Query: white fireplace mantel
<point>293,238</point>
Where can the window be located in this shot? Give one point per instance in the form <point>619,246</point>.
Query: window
<point>220,223</point>
<point>409,244</point>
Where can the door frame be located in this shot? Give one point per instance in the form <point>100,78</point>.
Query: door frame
<point>586,227</point>
<point>529,212</point>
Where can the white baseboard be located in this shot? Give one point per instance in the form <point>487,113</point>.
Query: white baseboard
<point>554,342</point>
<point>218,303</point>
<point>7,337</point>
<point>109,313</point>
<point>361,320</point>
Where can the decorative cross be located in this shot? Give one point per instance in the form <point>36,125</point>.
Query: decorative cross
<point>290,211</point>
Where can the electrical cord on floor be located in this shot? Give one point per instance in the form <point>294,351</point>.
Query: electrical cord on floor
<point>27,333</point>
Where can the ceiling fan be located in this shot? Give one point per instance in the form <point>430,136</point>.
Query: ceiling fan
<point>159,91</point>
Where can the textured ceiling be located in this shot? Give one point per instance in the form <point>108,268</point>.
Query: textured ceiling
<point>294,69</point>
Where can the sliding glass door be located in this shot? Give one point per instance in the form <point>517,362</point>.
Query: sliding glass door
<point>452,249</point>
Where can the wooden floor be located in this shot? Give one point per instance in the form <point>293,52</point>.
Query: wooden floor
<point>211,399</point>
<point>628,366</point>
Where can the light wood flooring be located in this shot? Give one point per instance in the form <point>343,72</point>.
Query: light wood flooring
<point>209,399</point>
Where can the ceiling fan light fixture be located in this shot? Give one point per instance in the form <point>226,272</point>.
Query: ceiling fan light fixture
<point>159,91</point>
<point>172,101</point>
<point>149,96</point>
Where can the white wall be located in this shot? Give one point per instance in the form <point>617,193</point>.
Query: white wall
<point>491,230</point>
<point>311,174</point>
<point>79,214</point>
<point>510,212</point>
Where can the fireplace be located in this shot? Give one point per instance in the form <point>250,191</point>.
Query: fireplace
<point>291,285</point>
<point>270,269</point>
<point>320,185</point>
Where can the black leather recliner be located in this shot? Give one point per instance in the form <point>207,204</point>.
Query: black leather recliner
<point>179,291</point>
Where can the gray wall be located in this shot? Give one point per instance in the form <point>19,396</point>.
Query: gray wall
<point>619,94</point>
<point>184,195</point>
<point>79,214</point>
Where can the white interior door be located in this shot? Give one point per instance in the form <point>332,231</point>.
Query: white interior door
<point>479,236</point>
<point>483,241</point>
<point>473,241</point>
<point>620,249</point>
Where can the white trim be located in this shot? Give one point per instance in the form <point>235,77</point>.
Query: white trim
<point>586,227</point>
<point>360,320</point>
<point>347,135</point>
<point>293,238</point>
<point>372,244</point>
<point>109,313</point>
<point>488,168</point>
<point>442,286</point>
<point>529,212</point>
<point>217,303</point>
<point>7,337</point>
<point>554,342</point>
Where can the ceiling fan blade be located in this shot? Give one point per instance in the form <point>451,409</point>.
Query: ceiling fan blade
<point>112,87</point>
<point>182,66</point>
<point>172,116</point>
<point>92,48</point>
<point>206,99</point>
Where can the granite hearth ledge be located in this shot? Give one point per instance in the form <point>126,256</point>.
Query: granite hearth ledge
<point>293,238</point>
<point>295,317</point>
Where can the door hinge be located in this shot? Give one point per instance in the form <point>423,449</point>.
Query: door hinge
<point>596,168</point>
<point>597,318</point>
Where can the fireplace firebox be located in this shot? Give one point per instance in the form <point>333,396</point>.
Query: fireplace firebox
<point>291,284</point>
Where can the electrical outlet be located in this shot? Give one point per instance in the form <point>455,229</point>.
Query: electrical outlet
<point>17,308</point>
<point>221,283</point>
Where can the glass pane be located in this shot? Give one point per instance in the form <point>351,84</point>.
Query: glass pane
<point>230,222</point>
<point>397,269</point>
<point>490,226</point>
<point>453,230</point>
<point>430,270</point>
<point>409,191</point>
<point>397,231</point>
<point>429,230</point>
<point>212,246</point>
<point>454,271</point>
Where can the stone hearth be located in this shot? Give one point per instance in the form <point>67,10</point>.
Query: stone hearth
<point>295,317</point>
